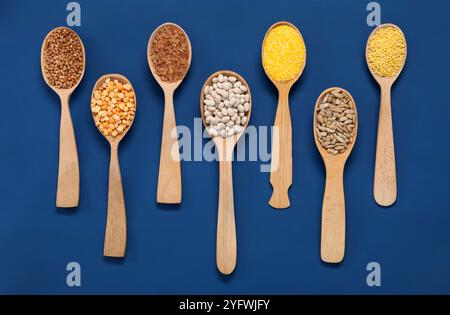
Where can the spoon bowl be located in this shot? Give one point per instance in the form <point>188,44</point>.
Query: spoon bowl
<point>169,177</point>
<point>326,156</point>
<point>234,138</point>
<point>116,225</point>
<point>333,208</point>
<point>58,91</point>
<point>124,80</point>
<point>385,178</point>
<point>226,244</point>
<point>385,81</point>
<point>281,164</point>
<point>162,83</point>
<point>295,79</point>
<point>68,189</point>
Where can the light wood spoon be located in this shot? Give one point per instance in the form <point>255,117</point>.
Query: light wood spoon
<point>68,191</point>
<point>333,208</point>
<point>116,222</point>
<point>385,178</point>
<point>281,165</point>
<point>169,177</point>
<point>226,248</point>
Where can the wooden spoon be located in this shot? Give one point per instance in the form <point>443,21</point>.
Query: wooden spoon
<point>226,250</point>
<point>68,191</point>
<point>385,179</point>
<point>116,223</point>
<point>169,178</point>
<point>281,165</point>
<point>333,207</point>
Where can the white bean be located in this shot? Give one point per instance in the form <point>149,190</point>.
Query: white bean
<point>209,102</point>
<point>226,102</point>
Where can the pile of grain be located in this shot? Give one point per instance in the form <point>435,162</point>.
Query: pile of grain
<point>63,58</point>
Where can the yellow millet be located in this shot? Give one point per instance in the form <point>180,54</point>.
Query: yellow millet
<point>386,51</point>
<point>284,53</point>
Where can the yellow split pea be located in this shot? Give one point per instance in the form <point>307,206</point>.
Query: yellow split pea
<point>284,53</point>
<point>113,106</point>
<point>386,51</point>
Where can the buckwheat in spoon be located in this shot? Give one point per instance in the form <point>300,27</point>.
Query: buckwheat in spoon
<point>63,64</point>
<point>113,106</point>
<point>169,57</point>
<point>225,105</point>
<point>386,52</point>
<point>335,130</point>
<point>283,58</point>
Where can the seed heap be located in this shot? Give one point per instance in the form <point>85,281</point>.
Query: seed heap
<point>169,53</point>
<point>336,118</point>
<point>386,51</point>
<point>284,53</point>
<point>113,106</point>
<point>226,104</point>
<point>63,58</point>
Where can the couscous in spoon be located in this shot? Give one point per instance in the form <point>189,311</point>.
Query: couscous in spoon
<point>385,177</point>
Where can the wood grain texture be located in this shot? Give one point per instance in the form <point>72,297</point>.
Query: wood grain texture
<point>169,177</point>
<point>332,245</point>
<point>385,177</point>
<point>281,163</point>
<point>226,251</point>
<point>226,241</point>
<point>116,224</point>
<point>68,189</point>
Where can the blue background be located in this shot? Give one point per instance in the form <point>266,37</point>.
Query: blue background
<point>171,250</point>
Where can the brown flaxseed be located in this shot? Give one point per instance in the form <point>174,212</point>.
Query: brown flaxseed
<point>170,53</point>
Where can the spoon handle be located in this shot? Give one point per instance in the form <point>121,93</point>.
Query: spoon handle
<point>68,190</point>
<point>116,222</point>
<point>281,165</point>
<point>169,178</point>
<point>385,179</point>
<point>333,216</point>
<point>226,226</point>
